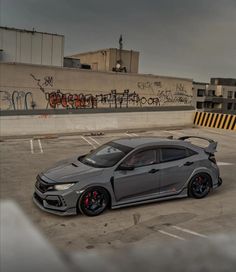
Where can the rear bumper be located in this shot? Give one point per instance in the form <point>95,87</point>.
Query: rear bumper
<point>220,181</point>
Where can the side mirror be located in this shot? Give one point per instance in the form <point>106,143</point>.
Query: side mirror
<point>125,167</point>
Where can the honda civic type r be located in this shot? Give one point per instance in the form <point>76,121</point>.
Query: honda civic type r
<point>127,172</point>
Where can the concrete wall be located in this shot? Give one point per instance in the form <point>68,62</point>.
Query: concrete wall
<point>25,87</point>
<point>23,46</point>
<point>75,123</point>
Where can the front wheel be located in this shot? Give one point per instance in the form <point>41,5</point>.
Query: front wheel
<point>200,185</point>
<point>93,201</point>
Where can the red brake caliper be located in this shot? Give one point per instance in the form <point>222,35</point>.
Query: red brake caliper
<point>86,201</point>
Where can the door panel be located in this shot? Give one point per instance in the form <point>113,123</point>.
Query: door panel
<point>174,175</point>
<point>137,182</point>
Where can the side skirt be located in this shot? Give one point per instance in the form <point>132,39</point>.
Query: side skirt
<point>182,194</point>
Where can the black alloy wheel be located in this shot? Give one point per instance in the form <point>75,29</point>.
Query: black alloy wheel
<point>93,201</point>
<point>200,185</point>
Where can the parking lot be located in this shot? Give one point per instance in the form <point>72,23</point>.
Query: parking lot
<point>182,219</point>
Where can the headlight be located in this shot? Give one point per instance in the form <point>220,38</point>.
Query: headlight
<point>60,187</point>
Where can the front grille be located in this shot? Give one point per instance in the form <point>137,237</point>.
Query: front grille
<point>43,186</point>
<point>38,198</point>
<point>54,201</point>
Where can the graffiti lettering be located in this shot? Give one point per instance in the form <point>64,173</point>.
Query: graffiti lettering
<point>18,100</point>
<point>46,82</point>
<point>113,99</point>
<point>149,85</point>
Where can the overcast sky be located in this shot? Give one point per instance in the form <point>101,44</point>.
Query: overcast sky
<point>185,38</point>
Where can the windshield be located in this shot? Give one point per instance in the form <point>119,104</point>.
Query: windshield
<point>105,156</point>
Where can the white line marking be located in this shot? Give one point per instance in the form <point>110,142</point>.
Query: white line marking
<point>224,163</point>
<point>95,141</point>
<point>131,134</point>
<point>189,231</point>
<point>172,235</point>
<point>174,132</point>
<point>31,146</point>
<point>40,146</point>
<point>86,140</point>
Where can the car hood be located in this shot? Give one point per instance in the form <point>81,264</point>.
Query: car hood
<point>70,170</point>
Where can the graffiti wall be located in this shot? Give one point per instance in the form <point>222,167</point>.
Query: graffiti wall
<point>28,87</point>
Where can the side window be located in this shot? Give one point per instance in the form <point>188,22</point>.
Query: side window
<point>190,152</point>
<point>142,158</point>
<point>172,154</point>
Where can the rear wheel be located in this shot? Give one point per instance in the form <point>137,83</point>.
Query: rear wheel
<point>93,201</point>
<point>200,185</point>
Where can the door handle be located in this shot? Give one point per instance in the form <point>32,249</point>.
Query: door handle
<point>152,171</point>
<point>188,163</point>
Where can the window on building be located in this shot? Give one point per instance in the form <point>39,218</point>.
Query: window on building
<point>211,92</point>
<point>234,94</point>
<point>234,106</point>
<point>230,94</point>
<point>201,92</point>
<point>208,105</point>
<point>199,105</point>
<point>217,105</point>
<point>229,106</point>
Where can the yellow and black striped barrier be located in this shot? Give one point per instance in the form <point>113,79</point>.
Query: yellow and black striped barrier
<point>215,120</point>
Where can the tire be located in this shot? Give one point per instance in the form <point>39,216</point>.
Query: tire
<point>200,185</point>
<point>93,201</point>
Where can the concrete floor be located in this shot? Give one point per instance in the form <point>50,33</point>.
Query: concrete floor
<point>166,221</point>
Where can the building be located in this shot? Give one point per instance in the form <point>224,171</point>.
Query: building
<point>31,47</point>
<point>112,59</point>
<point>34,75</point>
<point>217,96</point>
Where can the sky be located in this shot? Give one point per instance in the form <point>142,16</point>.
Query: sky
<point>184,38</point>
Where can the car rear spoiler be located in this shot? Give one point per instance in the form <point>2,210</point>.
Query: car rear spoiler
<point>211,148</point>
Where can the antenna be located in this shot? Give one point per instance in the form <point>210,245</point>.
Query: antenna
<point>121,42</point>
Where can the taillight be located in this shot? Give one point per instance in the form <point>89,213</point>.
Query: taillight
<point>212,158</point>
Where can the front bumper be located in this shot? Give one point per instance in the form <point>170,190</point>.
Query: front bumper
<point>57,202</point>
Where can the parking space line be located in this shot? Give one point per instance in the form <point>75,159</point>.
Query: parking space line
<point>131,134</point>
<point>171,235</point>
<point>224,163</point>
<point>174,132</point>
<point>86,140</point>
<point>189,231</point>
<point>128,134</point>
<point>95,141</point>
<point>31,146</point>
<point>40,146</point>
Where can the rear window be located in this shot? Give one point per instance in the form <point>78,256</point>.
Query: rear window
<point>172,154</point>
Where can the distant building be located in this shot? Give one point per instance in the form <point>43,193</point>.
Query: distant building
<point>35,75</point>
<point>111,59</point>
<point>31,47</point>
<point>218,96</point>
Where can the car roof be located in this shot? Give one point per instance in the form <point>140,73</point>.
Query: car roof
<point>135,142</point>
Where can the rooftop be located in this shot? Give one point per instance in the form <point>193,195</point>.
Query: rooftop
<point>29,31</point>
<point>134,142</point>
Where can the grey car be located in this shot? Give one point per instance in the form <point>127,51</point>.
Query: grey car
<point>127,172</point>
